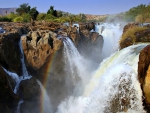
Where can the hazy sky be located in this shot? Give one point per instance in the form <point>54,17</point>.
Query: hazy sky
<point>78,6</point>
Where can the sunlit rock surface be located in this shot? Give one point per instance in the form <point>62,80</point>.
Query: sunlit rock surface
<point>144,74</point>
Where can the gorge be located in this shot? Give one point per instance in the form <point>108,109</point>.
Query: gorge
<point>53,68</point>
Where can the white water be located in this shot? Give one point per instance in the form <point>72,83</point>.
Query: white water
<point>76,67</point>
<point>113,87</point>
<point>111,35</point>
<point>47,105</point>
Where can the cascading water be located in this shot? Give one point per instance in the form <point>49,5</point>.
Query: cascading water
<point>75,66</point>
<point>114,88</point>
<point>111,34</point>
<point>25,75</point>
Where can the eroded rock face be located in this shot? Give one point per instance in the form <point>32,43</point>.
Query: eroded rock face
<point>90,44</point>
<point>38,45</point>
<point>144,74</point>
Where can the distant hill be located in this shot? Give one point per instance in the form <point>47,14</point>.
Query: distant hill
<point>3,11</point>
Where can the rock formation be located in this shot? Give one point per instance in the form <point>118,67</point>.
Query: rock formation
<point>139,36</point>
<point>41,46</point>
<point>8,99</point>
<point>144,74</point>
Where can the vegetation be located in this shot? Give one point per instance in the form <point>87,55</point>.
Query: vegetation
<point>130,32</point>
<point>5,19</point>
<point>18,19</point>
<point>139,14</point>
<point>23,9</point>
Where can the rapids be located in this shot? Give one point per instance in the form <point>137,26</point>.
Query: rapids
<point>114,86</point>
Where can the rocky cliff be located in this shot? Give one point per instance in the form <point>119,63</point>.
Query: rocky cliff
<point>41,46</point>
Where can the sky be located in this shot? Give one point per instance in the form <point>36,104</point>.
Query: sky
<point>95,7</point>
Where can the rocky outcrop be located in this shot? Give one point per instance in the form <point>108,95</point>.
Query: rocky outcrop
<point>38,45</point>
<point>44,56</point>
<point>139,36</point>
<point>90,42</point>
<point>143,36</point>
<point>127,42</point>
<point>144,75</point>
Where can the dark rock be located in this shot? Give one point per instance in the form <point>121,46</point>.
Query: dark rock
<point>8,99</point>
<point>10,52</point>
<point>29,89</point>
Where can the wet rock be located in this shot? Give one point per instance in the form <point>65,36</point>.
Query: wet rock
<point>8,99</point>
<point>30,91</point>
<point>29,88</point>
<point>90,42</point>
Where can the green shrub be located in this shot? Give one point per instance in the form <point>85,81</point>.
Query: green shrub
<point>26,17</point>
<point>12,16</point>
<point>5,19</point>
<point>49,16</point>
<point>18,19</point>
<point>41,16</point>
<point>130,32</point>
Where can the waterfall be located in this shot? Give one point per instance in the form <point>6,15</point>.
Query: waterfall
<point>24,69</point>
<point>111,34</point>
<point>46,100</point>
<point>113,88</point>
<point>47,104</point>
<point>76,67</point>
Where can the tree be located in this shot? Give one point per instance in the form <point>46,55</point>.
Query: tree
<point>52,11</point>
<point>34,13</point>
<point>135,11</point>
<point>24,8</point>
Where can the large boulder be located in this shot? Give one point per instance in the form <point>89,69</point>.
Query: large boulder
<point>30,92</point>
<point>144,74</point>
<point>38,45</point>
